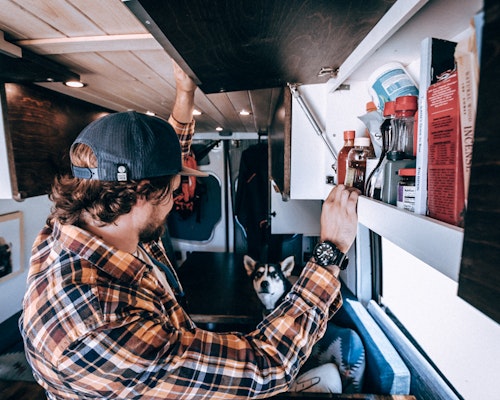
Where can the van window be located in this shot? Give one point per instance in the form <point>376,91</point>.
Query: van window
<point>459,339</point>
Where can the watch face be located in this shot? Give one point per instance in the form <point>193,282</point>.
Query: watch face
<point>324,253</point>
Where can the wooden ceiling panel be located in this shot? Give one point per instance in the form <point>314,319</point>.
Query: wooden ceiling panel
<point>112,17</point>
<point>230,117</point>
<point>22,24</point>
<point>264,102</point>
<point>62,16</point>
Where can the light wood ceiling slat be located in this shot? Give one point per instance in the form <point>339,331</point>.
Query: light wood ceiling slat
<point>136,41</point>
<point>241,102</point>
<point>263,106</point>
<point>223,103</point>
<point>112,16</point>
<point>114,83</point>
<point>91,97</point>
<point>63,16</point>
<point>21,24</point>
<point>137,69</point>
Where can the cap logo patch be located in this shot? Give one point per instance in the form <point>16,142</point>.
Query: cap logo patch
<point>121,173</point>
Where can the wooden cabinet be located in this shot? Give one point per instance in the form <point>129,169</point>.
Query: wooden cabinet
<point>479,280</point>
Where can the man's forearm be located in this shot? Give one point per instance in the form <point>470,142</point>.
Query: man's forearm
<point>183,106</point>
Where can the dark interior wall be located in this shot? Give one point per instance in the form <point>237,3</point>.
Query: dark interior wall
<point>40,126</point>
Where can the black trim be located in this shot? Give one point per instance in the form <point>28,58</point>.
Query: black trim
<point>376,266</point>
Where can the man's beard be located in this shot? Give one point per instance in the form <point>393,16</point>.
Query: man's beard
<point>152,232</point>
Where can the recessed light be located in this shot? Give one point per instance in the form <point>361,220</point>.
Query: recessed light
<point>74,84</point>
<point>196,112</point>
<point>244,112</point>
<point>150,113</point>
<point>219,128</point>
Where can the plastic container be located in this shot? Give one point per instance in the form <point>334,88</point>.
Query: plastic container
<point>372,120</point>
<point>391,176</point>
<point>356,163</point>
<point>342,157</point>
<point>389,82</point>
<point>406,189</point>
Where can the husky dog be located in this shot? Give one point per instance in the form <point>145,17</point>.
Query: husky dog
<point>270,281</point>
<point>337,361</point>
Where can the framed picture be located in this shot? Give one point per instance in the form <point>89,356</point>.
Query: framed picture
<point>11,245</point>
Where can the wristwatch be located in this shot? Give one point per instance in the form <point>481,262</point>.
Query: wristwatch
<point>326,253</point>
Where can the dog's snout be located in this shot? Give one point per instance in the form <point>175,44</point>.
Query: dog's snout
<point>264,285</point>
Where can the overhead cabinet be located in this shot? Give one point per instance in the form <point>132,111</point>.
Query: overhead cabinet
<point>398,38</point>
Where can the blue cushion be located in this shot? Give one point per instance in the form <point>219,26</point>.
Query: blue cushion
<point>343,347</point>
<point>385,371</point>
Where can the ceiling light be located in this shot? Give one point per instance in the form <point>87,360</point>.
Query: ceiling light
<point>219,128</point>
<point>74,84</point>
<point>196,112</point>
<point>244,112</point>
<point>150,113</point>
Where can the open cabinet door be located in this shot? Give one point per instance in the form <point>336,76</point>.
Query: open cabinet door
<point>294,216</point>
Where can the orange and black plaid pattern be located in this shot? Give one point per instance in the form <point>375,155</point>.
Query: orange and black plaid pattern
<point>185,133</point>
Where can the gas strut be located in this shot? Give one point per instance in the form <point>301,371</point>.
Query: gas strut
<point>295,92</point>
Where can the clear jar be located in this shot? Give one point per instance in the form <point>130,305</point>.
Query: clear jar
<point>356,163</point>
<point>406,189</point>
<point>404,121</point>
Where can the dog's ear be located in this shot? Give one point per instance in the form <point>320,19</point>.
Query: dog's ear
<point>249,263</point>
<point>287,266</point>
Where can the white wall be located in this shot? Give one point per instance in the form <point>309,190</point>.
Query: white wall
<point>463,342</point>
<point>35,211</point>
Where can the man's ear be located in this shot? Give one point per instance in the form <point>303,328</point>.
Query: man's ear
<point>141,199</point>
<point>141,184</point>
<point>249,264</point>
<point>287,266</point>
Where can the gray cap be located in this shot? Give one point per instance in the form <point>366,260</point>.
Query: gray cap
<point>131,146</point>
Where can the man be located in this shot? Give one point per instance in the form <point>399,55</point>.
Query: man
<point>102,312</point>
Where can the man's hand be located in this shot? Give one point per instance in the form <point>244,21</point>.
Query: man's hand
<point>339,218</point>
<point>182,81</point>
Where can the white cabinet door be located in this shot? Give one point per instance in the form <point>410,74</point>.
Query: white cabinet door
<point>294,216</point>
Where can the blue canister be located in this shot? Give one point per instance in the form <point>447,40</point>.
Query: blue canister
<point>389,82</point>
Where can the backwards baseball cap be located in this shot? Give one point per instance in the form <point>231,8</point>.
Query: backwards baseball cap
<point>131,146</point>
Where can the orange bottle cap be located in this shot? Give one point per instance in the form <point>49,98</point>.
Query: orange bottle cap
<point>406,103</point>
<point>389,108</point>
<point>370,106</point>
<point>349,135</point>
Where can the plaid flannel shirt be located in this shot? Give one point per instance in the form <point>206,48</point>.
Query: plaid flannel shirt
<point>98,324</point>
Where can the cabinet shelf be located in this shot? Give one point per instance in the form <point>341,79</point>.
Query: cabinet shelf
<point>436,243</point>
